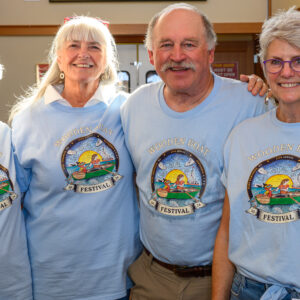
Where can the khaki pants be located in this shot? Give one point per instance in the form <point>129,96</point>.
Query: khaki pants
<point>154,282</point>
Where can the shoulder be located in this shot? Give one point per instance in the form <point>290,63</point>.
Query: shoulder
<point>4,127</point>
<point>29,112</point>
<point>121,96</point>
<point>230,82</point>
<point>245,133</point>
<point>118,98</point>
<point>235,95</point>
<point>5,133</point>
<point>144,92</point>
<point>235,88</point>
<point>141,99</point>
<point>250,125</point>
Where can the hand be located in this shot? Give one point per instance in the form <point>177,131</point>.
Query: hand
<point>255,84</point>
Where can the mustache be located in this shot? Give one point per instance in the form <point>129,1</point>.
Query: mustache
<point>172,64</point>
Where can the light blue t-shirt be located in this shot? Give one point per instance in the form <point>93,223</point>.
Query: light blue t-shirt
<point>80,205</point>
<point>15,277</point>
<point>179,161</point>
<point>262,176</point>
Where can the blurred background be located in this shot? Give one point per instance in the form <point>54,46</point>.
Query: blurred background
<point>27,28</point>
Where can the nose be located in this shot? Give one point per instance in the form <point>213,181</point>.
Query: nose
<point>287,71</point>
<point>83,53</point>
<point>177,53</point>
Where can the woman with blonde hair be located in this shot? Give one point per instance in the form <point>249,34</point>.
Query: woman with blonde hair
<point>81,221</point>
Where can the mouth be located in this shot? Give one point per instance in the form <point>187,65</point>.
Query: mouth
<point>289,85</point>
<point>178,67</point>
<point>83,65</point>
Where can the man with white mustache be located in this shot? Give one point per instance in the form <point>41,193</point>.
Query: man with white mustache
<point>178,127</point>
<point>182,65</point>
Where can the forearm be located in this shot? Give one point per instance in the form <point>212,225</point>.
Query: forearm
<point>223,269</point>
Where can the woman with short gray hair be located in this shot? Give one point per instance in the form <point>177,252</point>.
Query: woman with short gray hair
<point>257,246</point>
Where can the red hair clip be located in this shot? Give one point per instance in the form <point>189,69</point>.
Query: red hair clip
<point>67,19</point>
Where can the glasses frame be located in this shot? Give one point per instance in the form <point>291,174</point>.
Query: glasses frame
<point>282,64</point>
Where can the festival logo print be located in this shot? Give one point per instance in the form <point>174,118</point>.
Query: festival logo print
<point>7,195</point>
<point>178,180</point>
<point>274,190</point>
<point>90,164</point>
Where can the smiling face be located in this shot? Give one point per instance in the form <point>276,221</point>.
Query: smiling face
<point>285,85</point>
<point>179,52</point>
<point>81,61</point>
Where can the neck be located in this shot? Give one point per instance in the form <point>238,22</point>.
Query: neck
<point>185,100</point>
<point>79,94</point>
<point>288,113</point>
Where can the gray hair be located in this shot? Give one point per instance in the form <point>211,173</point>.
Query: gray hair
<point>285,25</point>
<point>211,37</point>
<point>81,28</point>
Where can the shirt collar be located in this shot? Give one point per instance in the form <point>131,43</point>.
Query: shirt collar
<point>53,93</point>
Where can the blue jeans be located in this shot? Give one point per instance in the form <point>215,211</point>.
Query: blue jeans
<point>244,288</point>
<point>126,297</point>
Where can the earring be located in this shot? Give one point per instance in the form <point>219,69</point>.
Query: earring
<point>62,75</point>
<point>267,100</point>
<point>268,96</point>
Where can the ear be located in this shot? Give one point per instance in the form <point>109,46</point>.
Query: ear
<point>211,55</point>
<point>151,59</point>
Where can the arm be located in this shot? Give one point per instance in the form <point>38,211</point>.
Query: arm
<point>23,174</point>
<point>255,84</point>
<point>223,269</point>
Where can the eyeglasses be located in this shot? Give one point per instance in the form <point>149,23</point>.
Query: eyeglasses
<point>274,65</point>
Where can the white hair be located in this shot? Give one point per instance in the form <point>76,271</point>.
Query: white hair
<point>211,37</point>
<point>285,25</point>
<point>81,28</point>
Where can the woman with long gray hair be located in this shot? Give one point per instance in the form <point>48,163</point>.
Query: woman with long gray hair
<point>80,207</point>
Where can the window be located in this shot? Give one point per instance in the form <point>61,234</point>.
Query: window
<point>151,76</point>
<point>124,81</point>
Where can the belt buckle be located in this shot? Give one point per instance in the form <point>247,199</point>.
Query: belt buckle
<point>180,268</point>
<point>184,271</point>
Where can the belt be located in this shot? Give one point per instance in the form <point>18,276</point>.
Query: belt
<point>184,271</point>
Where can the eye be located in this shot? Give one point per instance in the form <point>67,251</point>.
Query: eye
<point>296,61</point>
<point>73,45</point>
<point>95,47</point>
<point>188,45</point>
<point>275,62</point>
<point>166,45</point>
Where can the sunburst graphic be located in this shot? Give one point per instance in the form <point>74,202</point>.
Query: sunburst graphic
<point>277,179</point>
<point>86,157</point>
<point>173,175</point>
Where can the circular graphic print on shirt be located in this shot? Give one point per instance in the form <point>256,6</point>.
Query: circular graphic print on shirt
<point>90,164</point>
<point>7,195</point>
<point>274,190</point>
<point>178,181</point>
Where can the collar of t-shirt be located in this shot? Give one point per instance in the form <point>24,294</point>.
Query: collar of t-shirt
<point>53,93</point>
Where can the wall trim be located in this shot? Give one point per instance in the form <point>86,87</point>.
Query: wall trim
<point>124,30</point>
